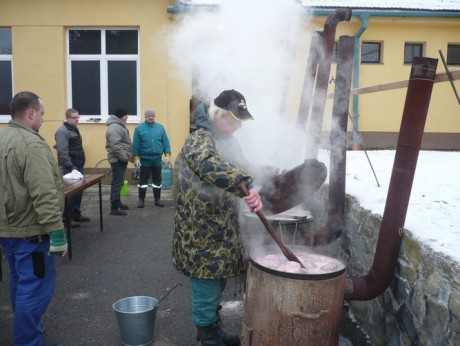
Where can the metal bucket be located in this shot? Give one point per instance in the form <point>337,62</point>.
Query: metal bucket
<point>292,309</point>
<point>136,319</point>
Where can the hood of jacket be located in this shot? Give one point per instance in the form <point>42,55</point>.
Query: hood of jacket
<point>201,118</point>
<point>114,120</point>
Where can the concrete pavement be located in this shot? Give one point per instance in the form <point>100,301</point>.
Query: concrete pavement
<point>132,256</point>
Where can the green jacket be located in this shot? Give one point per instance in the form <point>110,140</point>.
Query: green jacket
<point>207,242</point>
<point>31,187</point>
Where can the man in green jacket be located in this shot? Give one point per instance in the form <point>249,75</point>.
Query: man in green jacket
<point>207,244</point>
<point>31,205</point>
<point>150,142</point>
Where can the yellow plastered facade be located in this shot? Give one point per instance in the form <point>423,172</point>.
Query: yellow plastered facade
<point>40,65</point>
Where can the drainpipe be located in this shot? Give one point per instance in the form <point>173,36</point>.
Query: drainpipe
<point>364,18</point>
<point>415,112</point>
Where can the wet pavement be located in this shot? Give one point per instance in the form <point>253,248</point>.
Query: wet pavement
<point>131,257</point>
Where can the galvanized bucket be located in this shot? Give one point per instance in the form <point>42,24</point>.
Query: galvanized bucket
<point>136,319</point>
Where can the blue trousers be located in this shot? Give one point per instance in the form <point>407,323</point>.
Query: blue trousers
<point>206,297</point>
<point>32,283</point>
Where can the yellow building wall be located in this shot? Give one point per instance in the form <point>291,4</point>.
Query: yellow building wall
<point>40,65</point>
<point>382,111</point>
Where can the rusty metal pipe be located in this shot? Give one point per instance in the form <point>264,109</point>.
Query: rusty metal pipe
<point>322,79</point>
<point>418,96</point>
<point>338,144</point>
<point>309,80</point>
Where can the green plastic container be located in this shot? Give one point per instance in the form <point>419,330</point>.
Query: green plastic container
<point>124,189</point>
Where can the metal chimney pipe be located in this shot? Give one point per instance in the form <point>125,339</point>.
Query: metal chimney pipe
<point>413,121</point>
<point>309,80</point>
<point>322,79</point>
<point>338,144</point>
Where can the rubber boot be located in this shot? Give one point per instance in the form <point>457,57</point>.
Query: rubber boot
<point>214,334</point>
<point>142,193</point>
<point>156,195</point>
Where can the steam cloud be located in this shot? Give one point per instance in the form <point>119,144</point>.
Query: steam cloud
<point>250,46</point>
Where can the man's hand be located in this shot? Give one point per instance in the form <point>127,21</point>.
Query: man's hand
<point>253,200</point>
<point>58,243</point>
<point>137,162</point>
<point>166,159</point>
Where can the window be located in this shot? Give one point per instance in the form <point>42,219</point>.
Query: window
<point>103,72</point>
<point>453,54</point>
<point>371,52</point>
<point>6,74</point>
<point>412,50</point>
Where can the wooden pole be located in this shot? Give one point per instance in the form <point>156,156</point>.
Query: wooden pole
<point>440,77</point>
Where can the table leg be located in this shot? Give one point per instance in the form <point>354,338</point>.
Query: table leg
<point>68,226</point>
<point>100,207</point>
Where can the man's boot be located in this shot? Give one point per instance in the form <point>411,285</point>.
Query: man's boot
<point>142,192</point>
<point>156,195</point>
<point>214,334</point>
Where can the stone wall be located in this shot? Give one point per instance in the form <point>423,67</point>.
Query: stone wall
<point>422,304</point>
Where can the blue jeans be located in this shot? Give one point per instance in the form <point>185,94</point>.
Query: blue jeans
<point>118,179</point>
<point>206,296</point>
<point>32,283</point>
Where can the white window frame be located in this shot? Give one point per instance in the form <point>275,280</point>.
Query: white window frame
<point>103,58</point>
<point>5,118</point>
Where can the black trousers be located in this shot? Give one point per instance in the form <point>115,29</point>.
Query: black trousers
<point>147,173</point>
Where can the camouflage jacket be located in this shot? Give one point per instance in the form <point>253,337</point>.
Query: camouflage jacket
<point>207,242</point>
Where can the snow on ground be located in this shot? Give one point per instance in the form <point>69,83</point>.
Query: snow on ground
<point>433,215</point>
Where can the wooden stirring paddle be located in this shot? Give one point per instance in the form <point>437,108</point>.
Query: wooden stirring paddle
<point>287,253</point>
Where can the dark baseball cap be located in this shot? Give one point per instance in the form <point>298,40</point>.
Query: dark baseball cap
<point>235,103</point>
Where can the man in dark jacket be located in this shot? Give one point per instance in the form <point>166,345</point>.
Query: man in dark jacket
<point>207,244</point>
<point>31,205</point>
<point>71,156</point>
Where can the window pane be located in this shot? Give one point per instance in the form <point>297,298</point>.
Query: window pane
<point>412,50</point>
<point>370,52</point>
<point>6,87</point>
<point>5,42</point>
<point>121,41</point>
<point>122,86</point>
<point>84,42</point>
<point>86,87</point>
<point>453,54</point>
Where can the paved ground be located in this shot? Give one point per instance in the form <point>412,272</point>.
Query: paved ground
<point>131,257</point>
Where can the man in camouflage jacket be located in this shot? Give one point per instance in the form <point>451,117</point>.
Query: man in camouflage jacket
<point>207,244</point>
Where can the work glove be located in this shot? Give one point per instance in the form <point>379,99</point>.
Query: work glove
<point>166,160</point>
<point>137,162</point>
<point>58,243</point>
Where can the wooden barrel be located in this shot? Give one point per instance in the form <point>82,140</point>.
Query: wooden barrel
<point>283,309</point>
